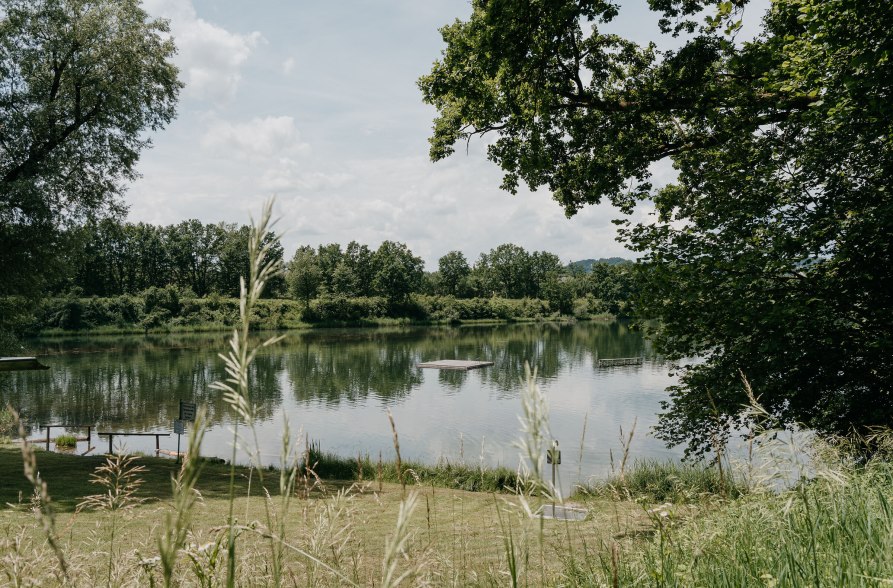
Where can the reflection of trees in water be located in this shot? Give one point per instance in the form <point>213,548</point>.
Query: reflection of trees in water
<point>333,372</point>
<point>549,347</point>
<point>136,382</point>
<point>134,387</point>
<point>452,380</point>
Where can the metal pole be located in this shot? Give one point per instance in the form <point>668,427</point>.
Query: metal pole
<point>178,447</point>
<point>554,459</point>
<point>48,437</point>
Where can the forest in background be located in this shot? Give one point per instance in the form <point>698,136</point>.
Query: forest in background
<point>122,276</point>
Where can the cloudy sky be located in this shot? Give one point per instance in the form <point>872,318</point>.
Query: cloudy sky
<point>316,103</point>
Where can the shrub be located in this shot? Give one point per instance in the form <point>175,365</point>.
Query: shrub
<point>8,427</point>
<point>167,298</point>
<point>155,319</point>
<point>70,315</point>
<point>66,441</point>
<point>343,309</point>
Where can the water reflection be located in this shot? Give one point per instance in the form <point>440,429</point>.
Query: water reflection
<point>337,382</point>
<point>138,381</point>
<point>337,367</point>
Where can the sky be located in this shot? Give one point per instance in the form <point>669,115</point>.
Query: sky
<point>316,104</point>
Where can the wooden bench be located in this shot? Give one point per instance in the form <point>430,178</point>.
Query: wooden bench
<point>112,434</point>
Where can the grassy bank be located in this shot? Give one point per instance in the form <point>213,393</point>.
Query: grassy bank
<point>165,310</point>
<point>659,525</point>
<point>454,536</point>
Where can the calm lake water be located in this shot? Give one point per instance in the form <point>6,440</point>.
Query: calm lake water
<point>336,386</point>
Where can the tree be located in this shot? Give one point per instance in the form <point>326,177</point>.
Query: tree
<point>545,268</point>
<point>194,250</point>
<point>453,270</point>
<point>304,275</point>
<point>398,272</point>
<point>82,83</point>
<point>770,254</point>
<point>354,272</point>
<point>328,257</point>
<point>232,260</point>
<point>506,270</point>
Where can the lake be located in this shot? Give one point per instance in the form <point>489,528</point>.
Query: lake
<point>336,386</point>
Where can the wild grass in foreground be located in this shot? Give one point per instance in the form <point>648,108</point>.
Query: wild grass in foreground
<point>826,532</point>
<point>838,528</point>
<point>262,526</point>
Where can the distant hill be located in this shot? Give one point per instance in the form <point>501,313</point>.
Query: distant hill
<point>586,264</point>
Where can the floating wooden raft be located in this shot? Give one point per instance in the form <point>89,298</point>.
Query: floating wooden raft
<point>614,361</point>
<point>11,364</point>
<point>455,364</point>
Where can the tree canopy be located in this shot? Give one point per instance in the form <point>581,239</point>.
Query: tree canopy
<point>111,258</point>
<point>82,82</point>
<point>770,254</point>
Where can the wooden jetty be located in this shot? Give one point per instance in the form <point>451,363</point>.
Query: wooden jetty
<point>455,364</point>
<point>617,361</point>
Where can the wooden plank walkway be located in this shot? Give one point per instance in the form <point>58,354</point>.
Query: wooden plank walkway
<point>455,364</point>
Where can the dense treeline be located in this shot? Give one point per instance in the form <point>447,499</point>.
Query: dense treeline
<point>507,271</point>
<point>138,276</point>
<point>116,258</point>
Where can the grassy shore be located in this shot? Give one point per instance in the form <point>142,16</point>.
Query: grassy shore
<point>456,535</point>
<point>659,524</point>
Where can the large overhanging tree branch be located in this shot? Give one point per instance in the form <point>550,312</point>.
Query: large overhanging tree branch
<point>82,83</point>
<point>770,255</point>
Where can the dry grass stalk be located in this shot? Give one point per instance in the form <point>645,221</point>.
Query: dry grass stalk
<point>396,543</point>
<point>44,505</point>
<point>397,449</point>
<point>176,525</point>
<point>625,442</point>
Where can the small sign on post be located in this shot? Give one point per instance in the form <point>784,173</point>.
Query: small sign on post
<point>179,429</point>
<point>187,411</point>
<point>553,455</point>
<point>187,415</point>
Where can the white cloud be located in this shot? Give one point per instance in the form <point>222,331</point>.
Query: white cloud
<point>366,177</point>
<point>210,57</point>
<point>268,137</point>
<point>433,208</point>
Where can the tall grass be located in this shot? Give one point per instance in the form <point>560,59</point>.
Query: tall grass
<point>800,511</point>
<point>653,481</point>
<point>443,474</point>
<point>823,533</point>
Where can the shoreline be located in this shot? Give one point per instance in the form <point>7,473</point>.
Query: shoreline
<point>365,323</point>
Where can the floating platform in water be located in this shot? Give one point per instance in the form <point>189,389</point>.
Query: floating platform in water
<point>12,364</point>
<point>615,361</point>
<point>455,364</point>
